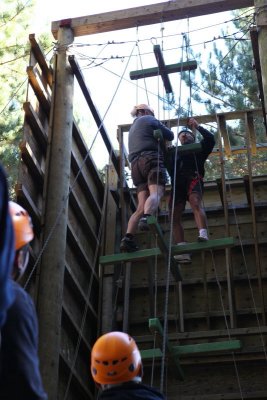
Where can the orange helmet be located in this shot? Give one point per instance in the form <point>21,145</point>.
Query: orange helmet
<point>22,225</point>
<point>115,358</point>
<point>141,107</point>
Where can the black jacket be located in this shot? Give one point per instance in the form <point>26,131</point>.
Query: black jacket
<point>189,164</point>
<point>131,391</point>
<point>19,374</point>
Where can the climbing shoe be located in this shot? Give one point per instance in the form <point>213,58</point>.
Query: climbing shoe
<point>203,236</point>
<point>128,245</point>
<point>143,225</point>
<point>183,258</point>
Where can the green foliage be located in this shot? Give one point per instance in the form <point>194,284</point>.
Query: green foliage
<point>14,53</point>
<point>229,83</point>
<point>15,18</point>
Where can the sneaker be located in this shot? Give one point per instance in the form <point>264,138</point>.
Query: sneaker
<point>203,237</point>
<point>143,225</point>
<point>183,258</point>
<point>128,245</point>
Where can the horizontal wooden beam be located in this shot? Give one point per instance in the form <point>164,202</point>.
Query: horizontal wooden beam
<point>135,256</point>
<point>146,253</point>
<point>170,69</point>
<point>186,149</point>
<point>200,246</point>
<point>189,349</point>
<point>205,119</point>
<point>146,15</point>
<point>36,126</point>
<point>39,89</point>
<point>26,201</point>
<point>32,163</point>
<point>40,58</point>
<point>151,353</point>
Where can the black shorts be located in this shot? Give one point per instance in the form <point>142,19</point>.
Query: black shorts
<point>148,169</point>
<point>185,185</point>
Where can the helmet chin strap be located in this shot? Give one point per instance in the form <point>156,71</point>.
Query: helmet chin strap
<point>136,379</point>
<point>21,262</point>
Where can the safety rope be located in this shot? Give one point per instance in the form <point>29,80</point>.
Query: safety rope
<point>165,314</point>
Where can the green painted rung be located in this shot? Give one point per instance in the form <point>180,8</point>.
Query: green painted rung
<point>208,245</point>
<point>186,149</point>
<point>172,68</point>
<point>151,353</point>
<point>155,228</point>
<point>156,327</point>
<point>207,347</point>
<point>137,255</point>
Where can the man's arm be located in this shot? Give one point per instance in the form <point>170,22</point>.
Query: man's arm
<point>208,141</point>
<point>166,132</point>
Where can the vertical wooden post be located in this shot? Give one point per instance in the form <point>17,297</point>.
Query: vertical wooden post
<point>261,20</point>
<point>228,262</point>
<point>56,216</point>
<point>249,128</point>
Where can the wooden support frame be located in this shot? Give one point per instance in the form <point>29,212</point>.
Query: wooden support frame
<point>146,15</point>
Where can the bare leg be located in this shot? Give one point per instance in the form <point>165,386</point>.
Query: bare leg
<point>195,201</point>
<point>134,219</point>
<point>152,202</point>
<point>178,230</point>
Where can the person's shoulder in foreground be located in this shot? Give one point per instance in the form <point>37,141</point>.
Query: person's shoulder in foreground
<point>132,391</point>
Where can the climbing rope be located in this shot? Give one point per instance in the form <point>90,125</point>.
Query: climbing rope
<point>170,242</point>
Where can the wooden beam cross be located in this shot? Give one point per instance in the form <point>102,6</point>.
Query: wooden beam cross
<point>163,70</point>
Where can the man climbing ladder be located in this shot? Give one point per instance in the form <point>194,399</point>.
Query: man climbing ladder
<point>148,169</point>
<point>187,184</point>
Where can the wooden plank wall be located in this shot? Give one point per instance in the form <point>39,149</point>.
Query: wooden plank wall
<point>85,218</point>
<point>199,307</point>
